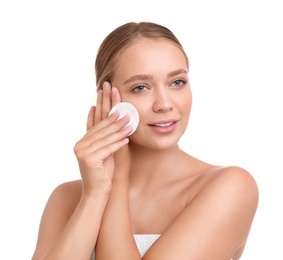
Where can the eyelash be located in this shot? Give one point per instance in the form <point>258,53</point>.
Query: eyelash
<point>136,88</point>
<point>180,82</point>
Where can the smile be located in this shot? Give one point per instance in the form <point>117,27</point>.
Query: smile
<point>163,125</point>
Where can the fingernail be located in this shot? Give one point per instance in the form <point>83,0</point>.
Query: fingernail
<point>114,91</point>
<point>128,127</point>
<point>115,112</point>
<point>126,117</point>
<point>105,85</point>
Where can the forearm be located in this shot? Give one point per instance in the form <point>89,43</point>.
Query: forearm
<point>116,241</point>
<point>78,239</point>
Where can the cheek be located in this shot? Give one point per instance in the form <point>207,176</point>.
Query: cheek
<point>188,104</point>
<point>138,103</point>
<point>143,108</point>
<point>185,101</point>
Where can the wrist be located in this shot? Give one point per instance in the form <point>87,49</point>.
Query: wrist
<point>95,197</point>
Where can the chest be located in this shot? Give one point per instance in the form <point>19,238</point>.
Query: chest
<point>153,213</point>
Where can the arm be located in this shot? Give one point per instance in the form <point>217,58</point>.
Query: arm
<point>69,226</point>
<point>71,231</point>
<point>116,239</point>
<point>215,224</point>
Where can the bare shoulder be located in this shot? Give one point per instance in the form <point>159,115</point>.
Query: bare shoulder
<point>68,191</point>
<point>63,200</point>
<point>222,181</point>
<point>234,194</point>
<point>230,185</point>
<point>232,179</point>
<point>59,208</point>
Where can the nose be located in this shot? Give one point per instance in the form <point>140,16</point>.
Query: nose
<point>162,101</point>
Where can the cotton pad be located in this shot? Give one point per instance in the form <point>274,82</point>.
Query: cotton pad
<point>126,108</point>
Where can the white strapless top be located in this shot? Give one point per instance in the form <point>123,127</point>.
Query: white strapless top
<point>143,241</point>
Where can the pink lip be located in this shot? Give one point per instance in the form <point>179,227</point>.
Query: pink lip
<point>165,121</point>
<point>156,126</point>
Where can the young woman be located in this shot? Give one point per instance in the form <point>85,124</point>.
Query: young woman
<point>142,189</point>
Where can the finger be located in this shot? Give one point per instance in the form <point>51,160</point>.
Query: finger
<point>108,142</point>
<point>97,117</point>
<point>90,118</point>
<point>103,129</point>
<point>85,147</point>
<point>115,96</point>
<point>106,100</point>
<point>111,149</point>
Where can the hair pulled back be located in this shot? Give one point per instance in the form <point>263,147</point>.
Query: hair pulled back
<point>120,39</point>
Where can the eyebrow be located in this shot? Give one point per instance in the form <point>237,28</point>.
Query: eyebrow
<point>138,77</point>
<point>147,77</point>
<point>177,72</point>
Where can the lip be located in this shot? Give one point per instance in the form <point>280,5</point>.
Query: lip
<point>164,126</point>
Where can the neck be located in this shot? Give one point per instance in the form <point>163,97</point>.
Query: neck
<point>148,166</point>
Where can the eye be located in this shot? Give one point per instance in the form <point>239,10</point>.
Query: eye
<point>179,83</point>
<point>139,88</point>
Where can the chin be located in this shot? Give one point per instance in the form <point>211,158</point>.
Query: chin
<point>161,144</point>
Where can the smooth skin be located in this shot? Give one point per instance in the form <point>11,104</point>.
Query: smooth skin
<point>145,184</point>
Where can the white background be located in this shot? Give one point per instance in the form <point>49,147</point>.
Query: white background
<point>47,84</point>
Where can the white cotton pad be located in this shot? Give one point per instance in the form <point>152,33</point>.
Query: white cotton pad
<point>126,108</point>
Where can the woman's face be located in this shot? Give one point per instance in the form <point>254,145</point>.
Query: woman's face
<point>153,76</point>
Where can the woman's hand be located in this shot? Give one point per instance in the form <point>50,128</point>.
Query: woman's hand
<point>105,136</point>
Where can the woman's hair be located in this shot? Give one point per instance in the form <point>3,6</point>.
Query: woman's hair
<point>119,39</point>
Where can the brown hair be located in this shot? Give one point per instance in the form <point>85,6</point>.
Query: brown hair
<point>119,39</point>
